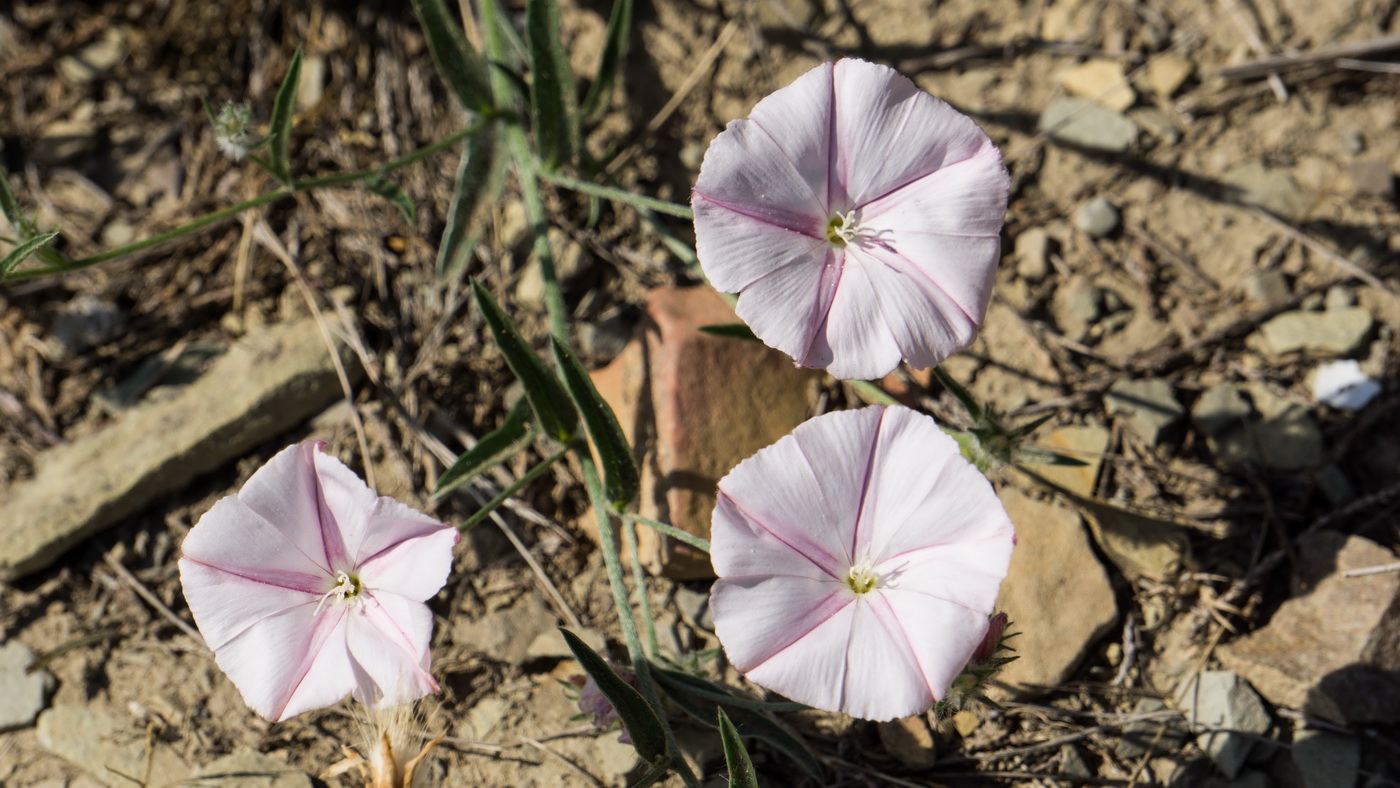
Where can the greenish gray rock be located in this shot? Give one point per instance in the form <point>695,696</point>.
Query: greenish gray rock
<point>1220,408</point>
<point>1272,189</point>
<point>1266,287</point>
<point>1326,760</point>
<point>93,741</point>
<point>1336,332</point>
<point>1148,406</point>
<point>1278,434</point>
<point>1161,737</point>
<point>1223,709</point>
<point>1087,124</point>
<point>22,694</point>
<point>1097,217</point>
<point>263,386</point>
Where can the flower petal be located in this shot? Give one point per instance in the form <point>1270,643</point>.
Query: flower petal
<point>233,537</point>
<point>761,619</point>
<point>225,604</point>
<point>883,675</point>
<point>406,552</point>
<point>388,638</point>
<point>348,502</point>
<point>941,635</point>
<point>855,335</point>
<point>285,493</point>
<point>741,249</point>
<point>965,198</point>
<point>922,493</point>
<point>926,324</point>
<point>966,574</point>
<point>748,172</point>
<point>786,307</point>
<point>798,119</point>
<point>803,492</point>
<point>890,133</point>
<point>291,662</point>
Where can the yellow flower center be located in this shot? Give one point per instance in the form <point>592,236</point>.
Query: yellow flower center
<point>347,587</point>
<point>862,578</point>
<point>841,230</point>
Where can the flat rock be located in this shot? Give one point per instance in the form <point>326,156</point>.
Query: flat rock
<point>1139,545</point>
<point>1056,591</point>
<point>1076,304</point>
<point>1337,332</point>
<point>1326,760</point>
<point>1102,81</point>
<point>686,399</point>
<point>1097,217</point>
<point>1278,433</point>
<point>1165,73</point>
<point>250,769</point>
<point>1269,188</point>
<point>1266,287</point>
<point>1224,709</point>
<point>1083,123</point>
<point>1033,254</point>
<point>1220,408</point>
<point>22,694</point>
<point>1086,443</point>
<point>506,635</point>
<point>284,375</point>
<point>1159,736</point>
<point>1148,406</point>
<point>909,741</point>
<point>93,741</point>
<point>1333,650</point>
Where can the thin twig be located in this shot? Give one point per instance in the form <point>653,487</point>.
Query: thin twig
<point>1373,570</point>
<point>1333,54</point>
<point>151,599</point>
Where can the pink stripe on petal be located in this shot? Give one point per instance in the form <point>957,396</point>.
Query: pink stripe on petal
<point>284,493</point>
<point>883,675</point>
<point>746,170</point>
<point>856,332</point>
<point>743,249</point>
<point>963,199</point>
<point>388,642</point>
<point>225,605</point>
<point>415,558</point>
<point>291,662</point>
<point>810,664</point>
<point>967,574</point>
<point>797,118</point>
<point>749,549</point>
<point>233,536</point>
<point>941,635</point>
<point>758,618</point>
<point>345,504</point>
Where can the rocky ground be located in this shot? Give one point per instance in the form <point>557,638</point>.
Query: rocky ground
<point>1204,213</point>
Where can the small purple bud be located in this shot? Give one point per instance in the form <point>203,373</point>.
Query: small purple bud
<point>992,640</point>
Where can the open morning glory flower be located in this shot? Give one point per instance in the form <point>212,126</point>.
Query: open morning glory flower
<point>309,587</point>
<point>858,560</point>
<point>857,217</point>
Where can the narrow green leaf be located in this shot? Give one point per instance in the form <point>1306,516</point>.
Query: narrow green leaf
<point>460,66</point>
<point>1029,427</point>
<point>9,205</point>
<point>551,403</point>
<point>621,478</point>
<point>514,434</point>
<point>619,31</point>
<point>676,681</point>
<point>1034,456</point>
<point>19,253</point>
<point>480,178</point>
<point>382,186</point>
<point>731,331</point>
<point>749,723</point>
<point>648,735</point>
<point>280,125</point>
<point>741,771</point>
<point>552,101</point>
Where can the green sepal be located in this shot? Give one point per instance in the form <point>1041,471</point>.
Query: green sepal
<point>731,331</point>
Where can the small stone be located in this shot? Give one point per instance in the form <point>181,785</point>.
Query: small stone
<point>694,607</point>
<point>1057,582</point>
<point>61,141</point>
<point>1330,650</point>
<point>22,694</point>
<point>1280,434</point>
<point>1336,332</point>
<point>1220,408</point>
<point>910,741</point>
<point>602,340</point>
<point>570,263</point>
<point>1227,709</point>
<point>1072,763</point>
<point>92,740</point>
<point>1326,760</point>
<point>1266,287</point>
<point>550,643</point>
<point>1102,81</point>
<point>1372,178</point>
<point>249,768</point>
<point>1161,737</point>
<point>1158,124</point>
<point>311,84</point>
<point>118,232</point>
<point>1085,124</point>
<point>1076,305</point>
<point>1033,254</point>
<point>84,322</point>
<point>1338,297</point>
<point>508,634</point>
<point>1088,444</point>
<point>1353,142</point>
<point>1274,190</point>
<point>95,59</point>
<point>1097,217</point>
<point>965,722</point>
<point>1140,546</point>
<point>1148,406</point>
<point>1165,74</point>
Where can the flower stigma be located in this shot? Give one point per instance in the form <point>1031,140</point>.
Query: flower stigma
<point>862,578</point>
<point>841,230</point>
<point>347,586</point>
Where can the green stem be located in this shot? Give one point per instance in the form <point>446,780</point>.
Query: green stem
<point>515,487</point>
<point>607,541</point>
<point>671,531</point>
<point>871,393</point>
<point>262,199</point>
<point>619,195</point>
<point>639,582</point>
